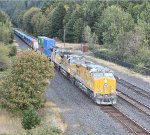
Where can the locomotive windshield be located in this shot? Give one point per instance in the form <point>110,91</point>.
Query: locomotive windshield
<point>100,74</point>
<point>108,75</point>
<point>97,74</point>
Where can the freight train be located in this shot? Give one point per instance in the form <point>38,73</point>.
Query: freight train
<point>93,79</point>
<point>42,44</point>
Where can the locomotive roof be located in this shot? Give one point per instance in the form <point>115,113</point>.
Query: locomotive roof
<point>92,67</point>
<point>82,61</point>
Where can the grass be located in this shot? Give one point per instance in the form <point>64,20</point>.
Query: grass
<point>121,69</point>
<point>52,123</point>
<point>74,46</point>
<point>8,123</point>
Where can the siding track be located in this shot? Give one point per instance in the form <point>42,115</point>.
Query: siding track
<point>144,109</point>
<point>134,88</point>
<point>130,125</point>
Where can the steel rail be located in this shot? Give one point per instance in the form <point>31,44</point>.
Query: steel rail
<point>143,108</point>
<point>133,87</point>
<point>132,126</point>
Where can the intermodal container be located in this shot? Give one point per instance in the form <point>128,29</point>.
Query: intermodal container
<point>47,52</point>
<point>49,43</point>
<point>41,41</point>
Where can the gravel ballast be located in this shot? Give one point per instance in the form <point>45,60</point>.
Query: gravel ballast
<point>81,114</point>
<point>134,114</point>
<point>143,100</point>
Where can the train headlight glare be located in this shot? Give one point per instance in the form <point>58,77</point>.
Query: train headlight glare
<point>105,85</point>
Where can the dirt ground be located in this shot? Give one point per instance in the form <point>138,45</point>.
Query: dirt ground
<point>11,124</point>
<point>73,46</point>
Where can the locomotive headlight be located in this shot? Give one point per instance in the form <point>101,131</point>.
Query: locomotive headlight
<point>105,85</point>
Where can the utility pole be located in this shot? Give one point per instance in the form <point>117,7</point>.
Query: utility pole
<point>64,36</point>
<point>83,32</point>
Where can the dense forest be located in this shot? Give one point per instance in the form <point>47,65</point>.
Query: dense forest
<point>6,34</point>
<point>7,49</point>
<point>121,27</point>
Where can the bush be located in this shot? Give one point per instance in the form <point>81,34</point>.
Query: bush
<point>43,130</point>
<point>139,68</point>
<point>30,118</point>
<point>4,60</point>
<point>27,81</point>
<point>49,131</point>
<point>13,51</point>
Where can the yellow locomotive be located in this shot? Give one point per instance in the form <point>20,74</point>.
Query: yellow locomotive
<point>95,80</point>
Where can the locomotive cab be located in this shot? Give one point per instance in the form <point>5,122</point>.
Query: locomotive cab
<point>104,87</point>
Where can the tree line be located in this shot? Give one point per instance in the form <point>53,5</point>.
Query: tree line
<point>6,33</point>
<point>121,27</point>
<point>6,38</point>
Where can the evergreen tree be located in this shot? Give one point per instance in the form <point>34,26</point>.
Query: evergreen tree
<point>27,19</point>
<point>69,26</point>
<point>57,21</point>
<point>46,29</point>
<point>39,21</point>
<point>6,32</point>
<point>30,118</point>
<point>78,30</point>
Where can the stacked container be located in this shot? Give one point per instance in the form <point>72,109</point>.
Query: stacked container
<point>41,41</point>
<point>46,44</point>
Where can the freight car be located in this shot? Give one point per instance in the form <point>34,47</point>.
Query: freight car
<point>32,42</point>
<point>46,44</point>
<point>43,44</point>
<point>95,80</point>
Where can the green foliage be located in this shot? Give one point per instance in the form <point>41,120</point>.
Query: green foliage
<point>91,38</point>
<point>27,82</point>
<point>46,130</point>
<point>70,26</point>
<point>143,24</point>
<point>38,21</point>
<point>126,44</point>
<point>30,118</point>
<point>6,33</point>
<point>115,21</point>
<point>43,130</point>
<point>13,50</point>
<point>27,19</point>
<point>46,28</point>
<point>57,21</point>
<point>18,18</point>
<point>78,30</point>
<point>4,60</point>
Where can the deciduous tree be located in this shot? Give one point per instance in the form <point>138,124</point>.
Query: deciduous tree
<point>27,82</point>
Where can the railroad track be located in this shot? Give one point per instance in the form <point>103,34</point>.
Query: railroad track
<point>133,87</point>
<point>143,108</point>
<point>130,125</point>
